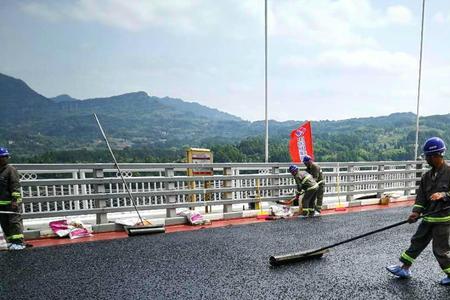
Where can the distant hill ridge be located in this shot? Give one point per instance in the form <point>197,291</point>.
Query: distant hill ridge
<point>63,98</point>
<point>37,123</point>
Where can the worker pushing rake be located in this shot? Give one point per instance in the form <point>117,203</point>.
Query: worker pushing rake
<point>432,205</point>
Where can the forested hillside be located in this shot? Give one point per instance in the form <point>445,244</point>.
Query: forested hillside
<point>144,128</point>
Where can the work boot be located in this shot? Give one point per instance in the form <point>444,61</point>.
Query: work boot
<point>304,214</point>
<point>14,247</point>
<point>445,281</point>
<point>399,271</point>
<point>316,214</point>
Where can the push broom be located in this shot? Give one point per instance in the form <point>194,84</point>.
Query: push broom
<point>318,253</point>
<point>144,227</point>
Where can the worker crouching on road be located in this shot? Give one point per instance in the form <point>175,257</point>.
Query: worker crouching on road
<point>315,171</point>
<point>308,186</point>
<point>10,201</point>
<point>433,195</point>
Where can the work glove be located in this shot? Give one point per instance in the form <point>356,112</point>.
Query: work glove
<point>413,217</point>
<point>14,206</point>
<point>285,202</point>
<point>437,196</point>
<point>298,194</point>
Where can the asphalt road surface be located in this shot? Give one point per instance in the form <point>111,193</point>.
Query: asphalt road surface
<point>230,263</point>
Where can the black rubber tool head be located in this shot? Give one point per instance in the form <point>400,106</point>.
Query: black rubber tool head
<point>296,257</point>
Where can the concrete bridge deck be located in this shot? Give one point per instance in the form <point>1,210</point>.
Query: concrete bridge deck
<point>229,262</point>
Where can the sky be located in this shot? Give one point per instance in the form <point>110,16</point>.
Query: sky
<point>327,59</point>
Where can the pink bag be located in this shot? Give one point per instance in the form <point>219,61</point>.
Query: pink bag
<point>62,228</point>
<point>194,217</point>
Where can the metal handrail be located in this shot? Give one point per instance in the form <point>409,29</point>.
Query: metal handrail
<point>45,193</point>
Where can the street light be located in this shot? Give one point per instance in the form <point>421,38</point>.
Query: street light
<point>416,145</point>
<point>265,84</point>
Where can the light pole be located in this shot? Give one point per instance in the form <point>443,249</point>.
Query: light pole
<point>265,84</point>
<point>416,145</point>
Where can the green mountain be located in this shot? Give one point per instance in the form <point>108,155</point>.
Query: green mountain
<point>148,128</point>
<point>38,124</point>
<point>18,100</point>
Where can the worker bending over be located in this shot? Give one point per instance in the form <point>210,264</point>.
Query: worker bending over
<point>315,171</point>
<point>308,186</point>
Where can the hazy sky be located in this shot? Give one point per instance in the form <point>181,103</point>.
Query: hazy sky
<point>327,59</point>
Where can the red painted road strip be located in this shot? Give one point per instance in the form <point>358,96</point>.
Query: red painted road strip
<point>47,242</point>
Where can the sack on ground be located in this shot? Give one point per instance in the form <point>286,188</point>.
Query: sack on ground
<point>194,217</point>
<point>73,229</point>
<point>282,211</point>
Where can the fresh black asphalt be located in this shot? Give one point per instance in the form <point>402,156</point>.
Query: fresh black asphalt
<point>230,263</point>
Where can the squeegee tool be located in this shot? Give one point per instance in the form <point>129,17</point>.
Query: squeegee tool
<point>144,226</point>
<point>319,252</point>
<point>147,229</point>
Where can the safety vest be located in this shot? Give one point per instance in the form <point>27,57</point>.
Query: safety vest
<point>9,185</point>
<point>434,181</point>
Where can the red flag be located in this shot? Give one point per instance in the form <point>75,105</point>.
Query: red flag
<point>301,142</point>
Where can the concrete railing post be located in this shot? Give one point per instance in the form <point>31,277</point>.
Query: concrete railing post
<point>75,190</point>
<point>381,177</point>
<point>84,190</point>
<point>228,195</point>
<point>276,182</point>
<point>350,180</point>
<point>407,181</point>
<point>101,218</point>
<point>170,199</point>
<point>418,175</point>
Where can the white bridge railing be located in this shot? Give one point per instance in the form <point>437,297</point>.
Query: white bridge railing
<point>51,190</point>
